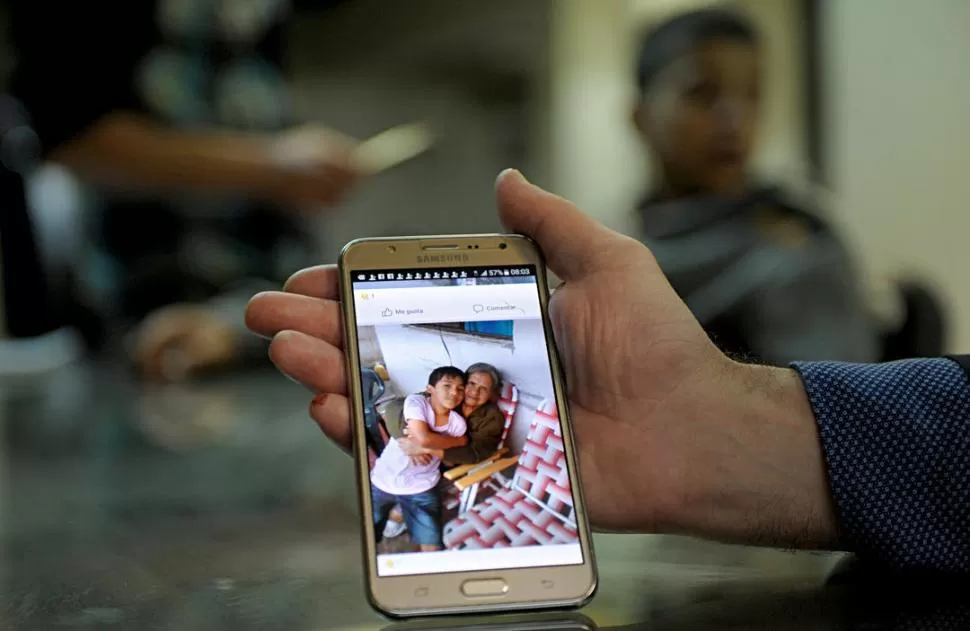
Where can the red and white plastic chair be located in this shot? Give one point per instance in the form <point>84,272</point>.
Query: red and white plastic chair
<point>463,499</point>
<point>536,505</point>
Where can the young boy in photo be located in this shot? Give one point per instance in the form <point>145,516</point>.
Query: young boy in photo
<point>397,479</point>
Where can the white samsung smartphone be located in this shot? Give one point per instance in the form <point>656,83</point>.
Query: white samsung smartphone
<point>467,472</point>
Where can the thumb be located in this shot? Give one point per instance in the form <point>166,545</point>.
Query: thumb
<point>572,242</point>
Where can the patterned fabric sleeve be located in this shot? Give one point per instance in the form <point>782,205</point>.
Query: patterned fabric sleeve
<point>896,439</point>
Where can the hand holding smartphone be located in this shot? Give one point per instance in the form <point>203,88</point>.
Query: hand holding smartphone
<point>484,484</point>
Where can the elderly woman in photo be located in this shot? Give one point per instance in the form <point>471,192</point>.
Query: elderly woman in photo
<point>482,416</point>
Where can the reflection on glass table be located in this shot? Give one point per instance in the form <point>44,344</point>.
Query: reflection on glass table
<point>220,506</point>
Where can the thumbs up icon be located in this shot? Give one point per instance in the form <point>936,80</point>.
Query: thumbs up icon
<point>387,313</point>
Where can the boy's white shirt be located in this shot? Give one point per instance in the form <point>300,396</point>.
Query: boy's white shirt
<point>395,473</point>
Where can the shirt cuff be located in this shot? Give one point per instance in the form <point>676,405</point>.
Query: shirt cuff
<point>896,439</point>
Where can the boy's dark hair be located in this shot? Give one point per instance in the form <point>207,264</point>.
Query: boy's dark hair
<point>679,35</point>
<point>441,372</point>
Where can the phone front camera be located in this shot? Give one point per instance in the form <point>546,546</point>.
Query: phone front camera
<point>501,246</point>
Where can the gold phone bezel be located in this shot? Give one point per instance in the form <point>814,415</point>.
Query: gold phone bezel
<point>574,585</point>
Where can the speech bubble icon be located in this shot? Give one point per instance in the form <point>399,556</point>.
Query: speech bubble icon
<point>478,308</point>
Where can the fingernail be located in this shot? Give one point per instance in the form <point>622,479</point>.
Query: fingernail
<point>510,172</point>
<point>280,368</point>
<point>320,399</point>
<point>291,377</point>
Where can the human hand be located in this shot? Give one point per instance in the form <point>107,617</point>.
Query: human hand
<point>673,436</point>
<point>410,448</point>
<point>315,165</point>
<point>422,460</point>
<point>178,341</point>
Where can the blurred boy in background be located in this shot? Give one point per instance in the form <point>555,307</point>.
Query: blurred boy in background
<point>179,111</point>
<point>766,279</point>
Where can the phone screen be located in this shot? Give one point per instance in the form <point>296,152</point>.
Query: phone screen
<point>467,467</point>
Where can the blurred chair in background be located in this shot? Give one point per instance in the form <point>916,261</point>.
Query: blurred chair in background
<point>923,328</point>
<point>767,279</point>
<point>179,112</point>
<point>373,384</point>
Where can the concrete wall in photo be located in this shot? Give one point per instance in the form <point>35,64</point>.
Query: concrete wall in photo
<point>412,352</point>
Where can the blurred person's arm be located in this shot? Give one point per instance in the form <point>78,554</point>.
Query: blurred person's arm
<point>77,67</point>
<point>129,150</point>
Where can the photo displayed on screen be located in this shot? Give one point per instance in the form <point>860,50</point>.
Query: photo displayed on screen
<point>467,466</point>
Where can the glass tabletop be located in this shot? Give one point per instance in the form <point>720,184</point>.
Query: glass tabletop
<point>220,506</point>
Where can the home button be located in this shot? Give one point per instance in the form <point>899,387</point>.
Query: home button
<point>485,587</point>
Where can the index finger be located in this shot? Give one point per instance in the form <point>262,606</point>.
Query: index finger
<point>320,281</point>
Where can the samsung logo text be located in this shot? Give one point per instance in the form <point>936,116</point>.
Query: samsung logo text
<point>443,258</point>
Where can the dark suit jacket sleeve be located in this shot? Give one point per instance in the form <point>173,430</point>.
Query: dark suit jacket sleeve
<point>896,439</point>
